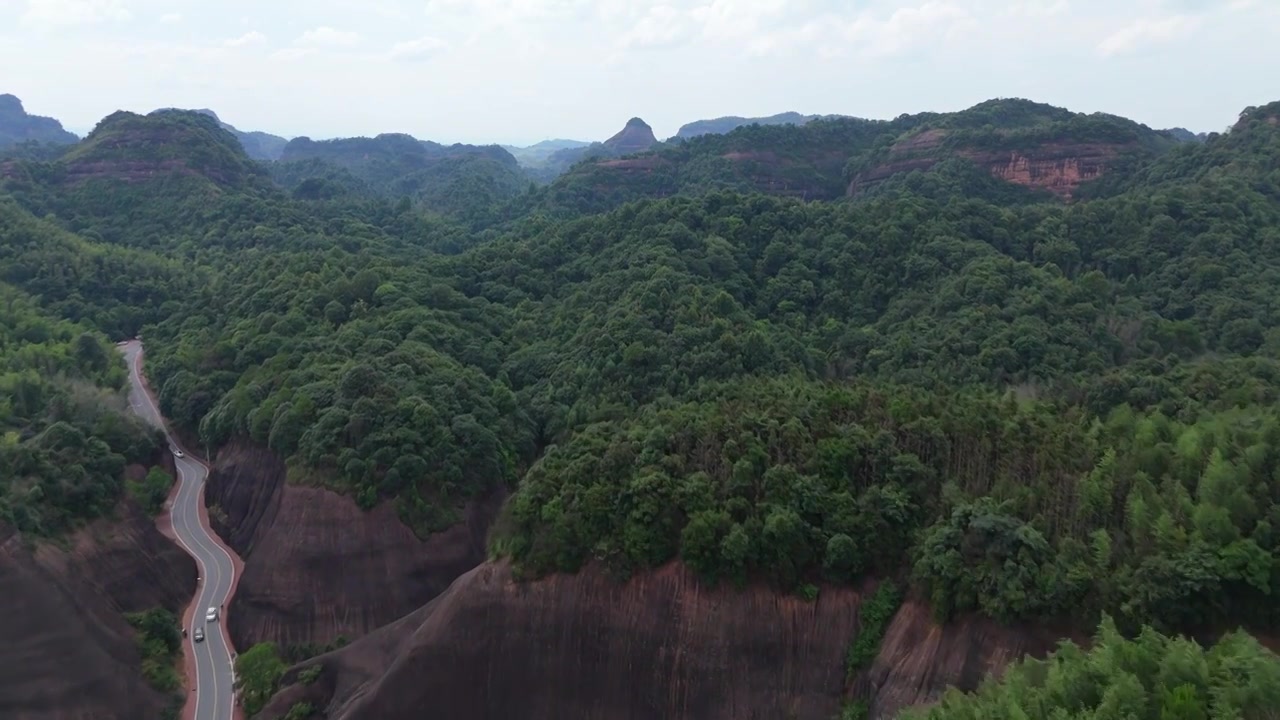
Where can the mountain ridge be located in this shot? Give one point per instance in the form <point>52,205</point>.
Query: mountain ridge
<point>17,126</point>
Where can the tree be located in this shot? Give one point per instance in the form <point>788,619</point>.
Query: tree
<point>258,671</point>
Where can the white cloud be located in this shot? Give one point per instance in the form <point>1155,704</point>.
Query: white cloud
<point>73,12</point>
<point>910,27</point>
<point>738,20</point>
<point>328,37</point>
<point>1037,8</point>
<point>171,18</point>
<point>420,49</point>
<point>1147,31</point>
<point>253,37</point>
<point>663,25</point>
<point>292,54</point>
<point>574,67</point>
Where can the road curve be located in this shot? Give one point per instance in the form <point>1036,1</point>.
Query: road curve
<point>215,696</point>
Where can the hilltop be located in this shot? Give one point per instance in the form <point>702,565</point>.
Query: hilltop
<point>635,136</point>
<point>17,127</point>
<point>258,145</point>
<point>1037,147</point>
<point>464,181</point>
<point>729,123</point>
<point>131,147</point>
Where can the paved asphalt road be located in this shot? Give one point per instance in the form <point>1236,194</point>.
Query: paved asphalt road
<point>214,678</point>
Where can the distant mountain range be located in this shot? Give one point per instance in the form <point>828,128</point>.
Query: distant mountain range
<point>17,127</point>
<point>436,174</point>
<point>729,123</point>
<point>538,153</point>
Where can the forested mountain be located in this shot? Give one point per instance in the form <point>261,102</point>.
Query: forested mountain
<point>634,137</point>
<point>17,127</point>
<point>1038,146</point>
<point>729,123</point>
<point>793,356</point>
<point>467,182</point>
<point>537,154</point>
<point>258,145</point>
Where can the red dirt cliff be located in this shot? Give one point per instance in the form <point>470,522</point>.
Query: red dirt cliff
<point>661,645</point>
<point>1057,168</point>
<point>65,647</point>
<point>316,565</point>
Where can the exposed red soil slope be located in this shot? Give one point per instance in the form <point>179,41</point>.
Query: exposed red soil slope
<point>65,647</point>
<point>316,565</point>
<point>661,645</point>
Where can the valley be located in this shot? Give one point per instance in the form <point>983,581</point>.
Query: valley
<point>815,417</point>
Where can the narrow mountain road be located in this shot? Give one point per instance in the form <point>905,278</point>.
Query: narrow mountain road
<point>214,678</point>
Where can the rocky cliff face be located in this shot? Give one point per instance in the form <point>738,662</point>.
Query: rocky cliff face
<point>65,647</point>
<point>661,645</point>
<point>635,137</point>
<point>316,565</point>
<point>1056,167</point>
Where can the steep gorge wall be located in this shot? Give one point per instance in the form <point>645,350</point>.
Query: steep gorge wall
<point>66,651</point>
<point>316,565</point>
<point>661,645</point>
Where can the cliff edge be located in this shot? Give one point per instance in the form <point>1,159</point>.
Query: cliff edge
<point>66,649</point>
<point>660,645</point>
<point>317,566</point>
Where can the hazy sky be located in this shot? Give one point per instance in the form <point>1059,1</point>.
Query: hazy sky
<point>526,70</point>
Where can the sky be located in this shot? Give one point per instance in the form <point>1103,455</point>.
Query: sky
<point>520,71</point>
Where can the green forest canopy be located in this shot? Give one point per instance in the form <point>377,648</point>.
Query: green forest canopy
<point>1054,409</point>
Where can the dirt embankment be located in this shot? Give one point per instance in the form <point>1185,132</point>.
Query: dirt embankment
<point>662,645</point>
<point>66,650</point>
<point>316,565</point>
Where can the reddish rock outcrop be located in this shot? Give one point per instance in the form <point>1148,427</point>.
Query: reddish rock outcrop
<point>1057,168</point>
<point>65,647</point>
<point>661,645</point>
<point>920,659</point>
<point>316,565</point>
<point>636,136</point>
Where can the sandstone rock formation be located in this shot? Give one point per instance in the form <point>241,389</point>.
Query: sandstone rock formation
<point>317,566</point>
<point>1056,167</point>
<point>661,645</point>
<point>65,647</point>
<point>636,136</point>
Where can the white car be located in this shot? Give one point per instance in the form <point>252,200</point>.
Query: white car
<point>211,615</point>
<point>178,453</point>
<point>199,635</point>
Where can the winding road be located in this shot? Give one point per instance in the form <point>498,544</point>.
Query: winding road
<point>215,698</point>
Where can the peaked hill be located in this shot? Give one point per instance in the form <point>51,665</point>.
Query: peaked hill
<point>634,137</point>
